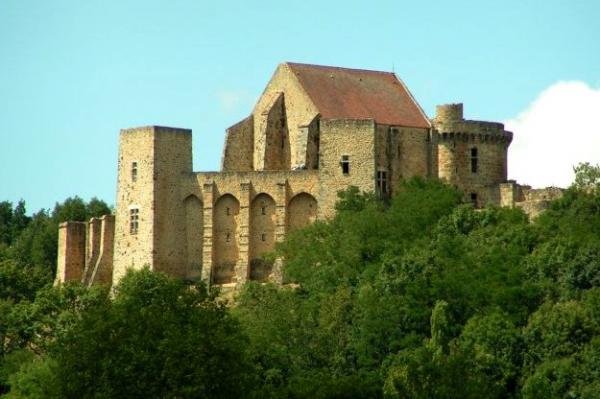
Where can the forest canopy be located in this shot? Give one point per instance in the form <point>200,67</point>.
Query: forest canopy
<point>422,297</point>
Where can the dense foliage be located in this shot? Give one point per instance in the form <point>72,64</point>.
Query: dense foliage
<point>423,297</point>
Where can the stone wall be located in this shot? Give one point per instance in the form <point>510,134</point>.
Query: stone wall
<point>239,146</point>
<point>354,139</point>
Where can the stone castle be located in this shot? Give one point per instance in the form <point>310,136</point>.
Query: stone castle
<point>315,130</point>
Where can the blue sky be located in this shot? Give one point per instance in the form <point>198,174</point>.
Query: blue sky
<point>72,73</point>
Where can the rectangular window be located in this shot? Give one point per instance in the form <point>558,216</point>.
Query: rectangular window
<point>134,219</point>
<point>134,171</point>
<point>474,199</point>
<point>345,164</point>
<point>474,160</point>
<point>382,183</point>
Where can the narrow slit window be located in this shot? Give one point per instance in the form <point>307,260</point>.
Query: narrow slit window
<point>227,236</point>
<point>134,171</point>
<point>134,219</point>
<point>474,159</point>
<point>227,211</point>
<point>263,237</point>
<point>263,209</point>
<point>382,182</point>
<point>345,164</point>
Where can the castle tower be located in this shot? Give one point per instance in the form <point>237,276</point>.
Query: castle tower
<point>472,155</point>
<point>150,215</point>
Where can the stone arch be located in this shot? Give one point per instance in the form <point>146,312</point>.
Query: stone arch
<point>302,210</point>
<point>194,219</point>
<point>226,215</point>
<point>262,235</point>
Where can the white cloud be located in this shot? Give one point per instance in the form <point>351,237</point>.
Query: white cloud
<point>231,100</point>
<point>557,131</point>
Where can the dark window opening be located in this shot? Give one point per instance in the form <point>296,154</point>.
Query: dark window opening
<point>474,199</point>
<point>263,209</point>
<point>345,164</point>
<point>228,237</point>
<point>227,211</point>
<point>134,171</point>
<point>382,183</point>
<point>134,218</point>
<point>474,160</point>
<point>263,237</point>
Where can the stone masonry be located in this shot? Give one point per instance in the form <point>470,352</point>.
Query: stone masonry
<point>314,131</point>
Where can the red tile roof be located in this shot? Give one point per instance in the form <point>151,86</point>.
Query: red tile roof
<point>342,93</point>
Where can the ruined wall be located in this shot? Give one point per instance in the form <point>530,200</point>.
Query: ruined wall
<point>307,146</point>
<point>238,151</point>
<point>338,138</point>
<point>103,267</point>
<point>71,252</point>
<point>92,248</point>
<point>273,128</point>
<point>532,201</point>
<point>300,111</point>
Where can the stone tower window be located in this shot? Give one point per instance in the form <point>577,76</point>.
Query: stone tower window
<point>134,171</point>
<point>474,160</point>
<point>227,211</point>
<point>263,209</point>
<point>382,183</point>
<point>474,199</point>
<point>345,164</point>
<point>228,237</point>
<point>134,218</point>
<point>263,237</point>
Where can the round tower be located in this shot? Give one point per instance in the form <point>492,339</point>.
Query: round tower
<point>448,113</point>
<point>472,155</point>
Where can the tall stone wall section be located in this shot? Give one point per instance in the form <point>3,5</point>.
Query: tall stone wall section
<point>239,146</point>
<point>103,267</point>
<point>71,251</point>
<point>300,112</point>
<point>402,152</point>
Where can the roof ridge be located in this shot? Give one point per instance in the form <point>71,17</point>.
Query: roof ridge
<point>337,67</point>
